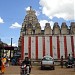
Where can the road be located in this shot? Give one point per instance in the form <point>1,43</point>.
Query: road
<point>15,70</point>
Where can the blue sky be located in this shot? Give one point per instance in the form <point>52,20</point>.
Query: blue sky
<point>12,14</point>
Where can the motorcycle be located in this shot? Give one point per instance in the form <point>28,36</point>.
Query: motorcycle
<point>25,69</point>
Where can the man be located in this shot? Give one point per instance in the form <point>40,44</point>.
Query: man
<point>69,58</point>
<point>61,62</point>
<point>28,63</point>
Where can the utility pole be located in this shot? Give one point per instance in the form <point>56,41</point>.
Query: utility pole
<point>10,50</point>
<point>11,42</point>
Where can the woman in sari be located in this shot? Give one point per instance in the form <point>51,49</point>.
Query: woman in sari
<point>3,64</point>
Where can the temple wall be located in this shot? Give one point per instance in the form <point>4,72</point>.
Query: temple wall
<point>36,46</point>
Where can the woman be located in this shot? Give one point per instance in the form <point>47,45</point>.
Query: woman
<point>3,64</point>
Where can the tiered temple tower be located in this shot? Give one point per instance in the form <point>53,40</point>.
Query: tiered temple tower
<point>30,23</point>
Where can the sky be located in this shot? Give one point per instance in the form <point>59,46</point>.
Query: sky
<point>13,12</point>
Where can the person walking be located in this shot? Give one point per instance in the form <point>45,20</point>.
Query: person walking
<point>3,64</point>
<point>61,62</point>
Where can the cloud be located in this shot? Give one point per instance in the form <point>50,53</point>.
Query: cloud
<point>58,8</point>
<point>37,13</point>
<point>15,25</point>
<point>43,22</point>
<point>13,44</point>
<point>28,8</point>
<point>1,20</point>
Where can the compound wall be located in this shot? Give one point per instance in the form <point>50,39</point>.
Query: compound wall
<point>36,46</point>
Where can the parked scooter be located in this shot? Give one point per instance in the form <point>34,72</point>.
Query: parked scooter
<point>25,70</point>
<point>69,64</point>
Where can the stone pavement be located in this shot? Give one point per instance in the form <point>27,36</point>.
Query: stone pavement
<point>15,70</point>
<point>12,70</point>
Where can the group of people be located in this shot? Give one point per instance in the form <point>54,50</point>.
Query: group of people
<point>26,61</point>
<point>2,64</point>
<point>69,58</point>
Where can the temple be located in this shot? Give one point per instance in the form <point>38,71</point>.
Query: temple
<point>31,27</point>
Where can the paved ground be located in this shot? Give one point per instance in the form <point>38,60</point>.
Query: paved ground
<point>15,70</point>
